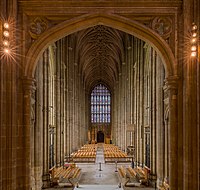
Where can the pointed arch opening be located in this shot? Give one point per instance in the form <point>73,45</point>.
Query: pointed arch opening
<point>126,25</point>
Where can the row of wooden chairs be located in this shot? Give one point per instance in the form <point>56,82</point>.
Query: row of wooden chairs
<point>84,154</point>
<point>115,155</point>
<point>87,153</point>
<point>112,151</point>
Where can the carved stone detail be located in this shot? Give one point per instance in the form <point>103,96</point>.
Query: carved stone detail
<point>162,25</point>
<point>33,108</point>
<point>37,27</point>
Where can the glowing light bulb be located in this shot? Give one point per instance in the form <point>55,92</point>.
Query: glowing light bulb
<point>194,27</point>
<point>193,48</point>
<point>6,50</point>
<point>193,54</point>
<point>6,25</point>
<point>6,33</point>
<point>194,40</point>
<point>5,43</point>
<point>194,34</point>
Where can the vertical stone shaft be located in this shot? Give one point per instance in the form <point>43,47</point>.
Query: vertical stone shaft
<point>159,123</point>
<point>29,88</point>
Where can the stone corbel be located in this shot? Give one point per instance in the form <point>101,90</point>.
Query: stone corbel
<point>170,87</point>
<point>29,86</point>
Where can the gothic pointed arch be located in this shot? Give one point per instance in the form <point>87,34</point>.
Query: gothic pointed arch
<point>70,26</point>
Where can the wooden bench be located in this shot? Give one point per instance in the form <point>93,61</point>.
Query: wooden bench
<point>122,176</point>
<point>65,176</point>
<point>70,177</point>
<point>128,177</point>
<point>131,175</point>
<point>142,175</point>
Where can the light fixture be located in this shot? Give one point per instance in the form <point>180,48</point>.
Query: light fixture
<point>193,54</point>
<point>194,27</point>
<point>194,34</point>
<point>5,43</point>
<point>6,33</point>
<point>6,25</point>
<point>6,38</point>
<point>193,48</point>
<point>194,41</point>
<point>6,50</point>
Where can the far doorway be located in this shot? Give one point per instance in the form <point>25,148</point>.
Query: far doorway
<point>100,137</point>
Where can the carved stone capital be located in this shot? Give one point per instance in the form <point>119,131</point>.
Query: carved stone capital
<point>29,85</point>
<point>171,84</point>
<point>170,89</point>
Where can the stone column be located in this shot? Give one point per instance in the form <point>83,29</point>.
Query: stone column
<point>141,89</point>
<point>58,103</point>
<point>29,88</point>
<point>137,100</point>
<point>146,104</point>
<point>68,102</point>
<point>166,140</point>
<point>153,113</point>
<point>38,153</point>
<point>134,98</point>
<point>62,101</point>
<point>170,90</point>
<point>121,110</point>
<point>45,176</point>
<point>159,123</point>
<point>123,106</point>
<point>118,111</point>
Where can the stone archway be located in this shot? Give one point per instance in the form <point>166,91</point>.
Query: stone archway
<point>130,27</point>
<point>126,25</point>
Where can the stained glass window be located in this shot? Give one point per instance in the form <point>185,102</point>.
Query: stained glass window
<point>100,104</point>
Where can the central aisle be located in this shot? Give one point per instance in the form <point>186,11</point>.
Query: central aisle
<point>98,173</point>
<point>92,175</point>
<point>100,154</point>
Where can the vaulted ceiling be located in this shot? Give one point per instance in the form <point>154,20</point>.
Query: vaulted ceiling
<point>100,55</point>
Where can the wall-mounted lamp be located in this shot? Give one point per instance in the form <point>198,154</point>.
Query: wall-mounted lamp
<point>6,40</point>
<point>194,41</point>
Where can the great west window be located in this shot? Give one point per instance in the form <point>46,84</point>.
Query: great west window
<point>100,104</point>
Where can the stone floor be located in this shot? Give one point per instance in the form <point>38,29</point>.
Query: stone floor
<point>96,176</point>
<point>94,179</point>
